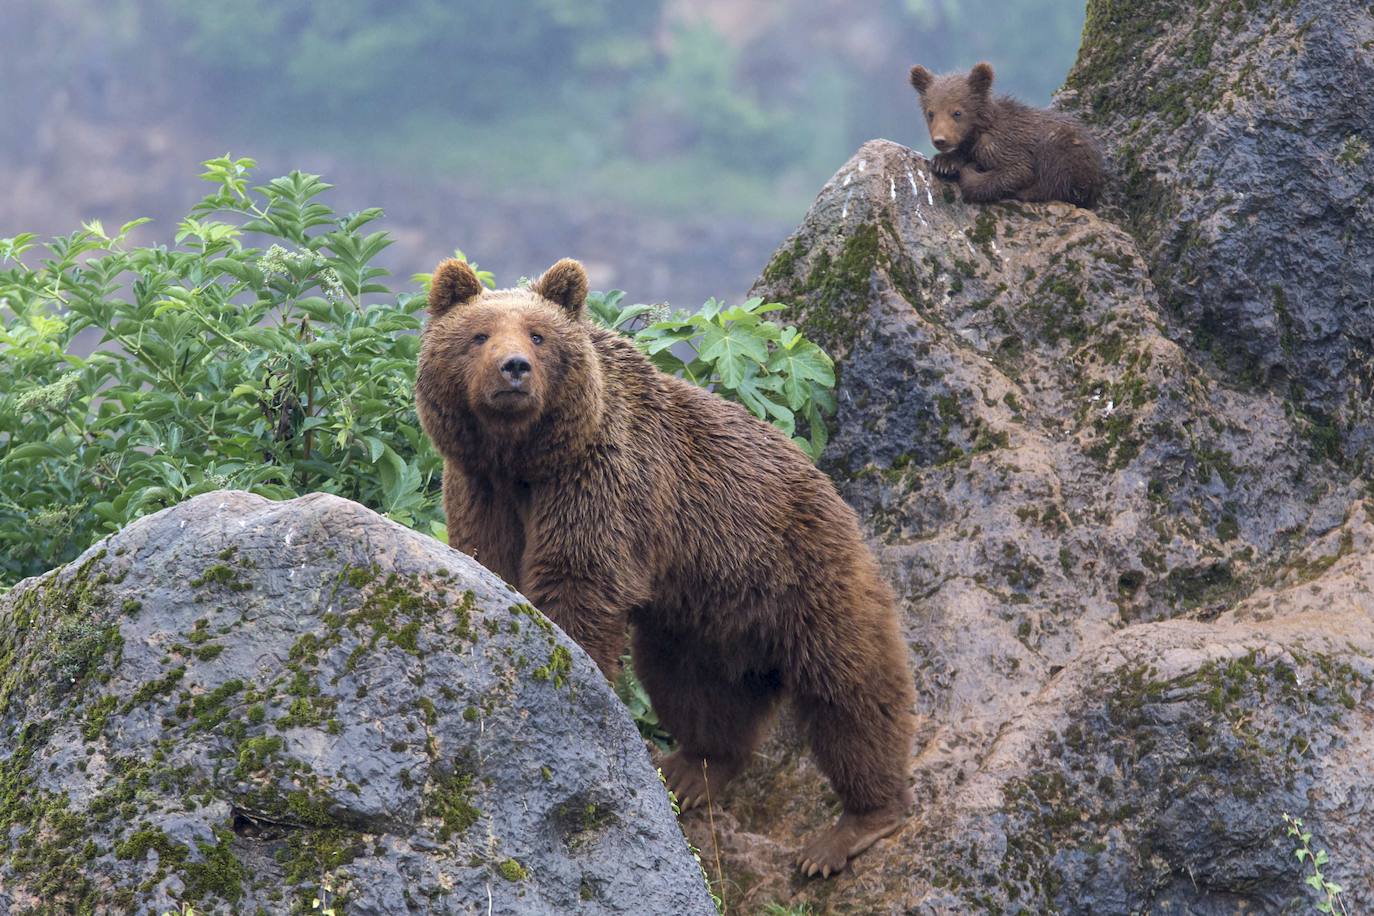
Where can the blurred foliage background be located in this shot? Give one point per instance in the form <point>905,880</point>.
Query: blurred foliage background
<point>677,111</point>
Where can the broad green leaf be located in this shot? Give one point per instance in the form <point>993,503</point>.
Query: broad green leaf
<point>729,349</point>
<point>31,450</point>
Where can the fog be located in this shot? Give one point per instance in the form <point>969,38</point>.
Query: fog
<point>670,145</point>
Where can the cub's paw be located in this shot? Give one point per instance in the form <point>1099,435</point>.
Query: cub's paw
<point>946,166</point>
<point>830,852</point>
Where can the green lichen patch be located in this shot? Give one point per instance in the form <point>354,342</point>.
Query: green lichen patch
<point>532,614</point>
<point>309,809</point>
<point>217,873</point>
<point>146,838</point>
<point>557,669</point>
<point>783,267</point>
<point>397,608</point>
<point>256,753</point>
<point>222,575</point>
<point>309,855</point>
<point>154,688</point>
<point>57,841</point>
<point>449,799</point>
<point>512,870</point>
<point>207,710</point>
<point>97,714</point>
<point>984,230</point>
<point>82,645</point>
<point>309,707</point>
<point>836,289</point>
<point>59,634</point>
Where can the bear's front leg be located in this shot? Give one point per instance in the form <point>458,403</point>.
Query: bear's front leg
<point>948,165</point>
<point>479,523</point>
<point>587,613</point>
<point>985,187</point>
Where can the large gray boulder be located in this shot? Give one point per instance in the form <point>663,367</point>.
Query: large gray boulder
<point>1075,515</point>
<point>1240,136</point>
<point>244,705</point>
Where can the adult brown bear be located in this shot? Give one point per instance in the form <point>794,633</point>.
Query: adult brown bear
<point>609,493</point>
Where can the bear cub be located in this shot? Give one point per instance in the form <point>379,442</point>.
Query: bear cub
<point>614,495</point>
<point>998,148</point>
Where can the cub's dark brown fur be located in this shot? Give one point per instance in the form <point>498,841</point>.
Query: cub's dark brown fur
<point>611,493</point>
<point>998,148</point>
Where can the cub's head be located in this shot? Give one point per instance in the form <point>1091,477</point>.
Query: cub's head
<point>504,357</point>
<point>954,104</point>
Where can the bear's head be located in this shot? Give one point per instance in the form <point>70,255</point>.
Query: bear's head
<point>497,366</point>
<point>955,104</point>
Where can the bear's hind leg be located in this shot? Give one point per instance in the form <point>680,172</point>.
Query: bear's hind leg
<point>856,709</point>
<point>716,720</point>
<point>868,777</point>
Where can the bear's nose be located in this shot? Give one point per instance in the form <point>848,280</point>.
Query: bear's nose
<point>940,142</point>
<point>515,368</point>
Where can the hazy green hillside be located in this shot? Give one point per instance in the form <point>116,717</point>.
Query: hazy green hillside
<point>663,103</point>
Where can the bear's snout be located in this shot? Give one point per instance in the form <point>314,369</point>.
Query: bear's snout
<point>515,369</point>
<point>941,142</point>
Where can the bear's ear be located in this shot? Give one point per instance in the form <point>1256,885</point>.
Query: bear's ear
<point>980,78</point>
<point>453,284</point>
<point>921,78</point>
<point>565,284</point>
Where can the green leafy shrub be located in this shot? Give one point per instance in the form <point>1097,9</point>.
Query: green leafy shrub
<point>738,353</point>
<point>263,352</point>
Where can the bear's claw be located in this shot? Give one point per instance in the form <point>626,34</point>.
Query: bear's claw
<point>694,780</point>
<point>829,853</point>
<point>945,166</point>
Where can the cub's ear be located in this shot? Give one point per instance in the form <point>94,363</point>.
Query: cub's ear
<point>921,78</point>
<point>565,284</point>
<point>453,284</point>
<point>980,77</point>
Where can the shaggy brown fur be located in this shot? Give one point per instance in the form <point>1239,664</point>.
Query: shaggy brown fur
<point>611,493</point>
<point>998,148</point>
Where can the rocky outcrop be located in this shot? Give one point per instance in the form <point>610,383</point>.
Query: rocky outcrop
<point>245,705</point>
<point>1240,136</point>
<point>1085,528</point>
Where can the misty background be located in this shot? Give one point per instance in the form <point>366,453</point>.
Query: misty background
<point>669,144</point>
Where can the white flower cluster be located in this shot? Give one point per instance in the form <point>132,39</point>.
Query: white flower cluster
<point>50,396</point>
<point>278,260</point>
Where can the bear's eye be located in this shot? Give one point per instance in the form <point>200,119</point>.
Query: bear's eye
<point>930,115</point>
<point>537,338</point>
<point>958,114</point>
<point>479,338</point>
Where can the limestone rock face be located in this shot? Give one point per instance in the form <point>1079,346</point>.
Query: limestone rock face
<point>1106,558</point>
<point>245,705</point>
<point>1240,135</point>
